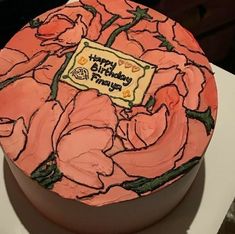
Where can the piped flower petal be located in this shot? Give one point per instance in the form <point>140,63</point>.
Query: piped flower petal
<point>13,137</point>
<point>80,159</point>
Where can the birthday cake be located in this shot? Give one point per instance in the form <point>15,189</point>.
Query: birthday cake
<point>104,102</point>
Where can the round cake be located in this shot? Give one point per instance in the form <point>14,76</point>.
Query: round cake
<point>107,107</point>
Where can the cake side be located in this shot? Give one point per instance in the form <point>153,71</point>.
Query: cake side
<point>105,103</point>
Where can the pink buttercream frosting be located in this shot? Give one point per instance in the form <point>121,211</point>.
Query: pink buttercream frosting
<point>105,153</point>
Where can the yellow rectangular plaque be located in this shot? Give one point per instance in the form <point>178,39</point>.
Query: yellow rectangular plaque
<point>124,78</point>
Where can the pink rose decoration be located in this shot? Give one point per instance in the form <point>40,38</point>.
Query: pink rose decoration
<point>66,28</point>
<point>89,122</point>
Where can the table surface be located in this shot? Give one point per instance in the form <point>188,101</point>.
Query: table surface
<point>203,208</point>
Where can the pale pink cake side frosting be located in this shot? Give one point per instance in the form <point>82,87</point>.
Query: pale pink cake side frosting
<point>80,143</point>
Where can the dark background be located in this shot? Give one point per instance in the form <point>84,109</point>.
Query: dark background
<point>211,21</point>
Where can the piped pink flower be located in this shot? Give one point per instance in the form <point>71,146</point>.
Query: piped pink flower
<point>84,132</point>
<point>168,142</point>
<point>61,30</point>
<point>140,132</point>
<point>13,136</point>
<point>68,26</point>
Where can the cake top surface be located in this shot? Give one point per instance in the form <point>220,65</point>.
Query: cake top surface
<point>105,101</point>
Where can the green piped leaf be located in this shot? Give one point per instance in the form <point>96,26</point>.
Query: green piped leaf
<point>7,82</point>
<point>54,84</point>
<point>43,171</point>
<point>49,182</point>
<point>141,13</point>
<point>47,173</point>
<point>160,37</point>
<point>91,9</point>
<point>110,22</point>
<point>204,117</point>
<point>165,43</point>
<point>144,185</point>
<point>150,103</point>
<point>168,46</point>
<point>35,23</point>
